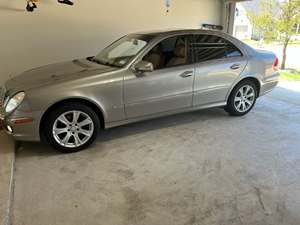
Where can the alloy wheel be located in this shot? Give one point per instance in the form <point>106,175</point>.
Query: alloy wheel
<point>73,129</point>
<point>244,98</point>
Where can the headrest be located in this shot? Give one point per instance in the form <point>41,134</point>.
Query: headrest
<point>180,51</point>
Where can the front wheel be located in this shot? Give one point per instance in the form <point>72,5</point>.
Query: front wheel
<point>71,127</point>
<point>242,99</point>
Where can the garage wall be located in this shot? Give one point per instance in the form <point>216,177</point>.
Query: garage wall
<point>55,32</point>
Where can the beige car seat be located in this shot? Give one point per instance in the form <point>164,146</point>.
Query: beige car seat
<point>180,56</point>
<point>156,57</point>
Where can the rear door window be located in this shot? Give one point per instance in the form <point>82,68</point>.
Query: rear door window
<point>212,47</point>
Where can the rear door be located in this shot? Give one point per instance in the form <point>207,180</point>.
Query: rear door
<point>218,63</point>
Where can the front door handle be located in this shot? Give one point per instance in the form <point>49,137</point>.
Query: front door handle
<point>235,66</point>
<point>187,74</point>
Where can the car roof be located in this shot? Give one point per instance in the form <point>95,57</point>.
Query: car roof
<point>167,32</point>
<point>158,34</point>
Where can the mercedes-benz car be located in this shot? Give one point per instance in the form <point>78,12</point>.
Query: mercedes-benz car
<point>138,77</point>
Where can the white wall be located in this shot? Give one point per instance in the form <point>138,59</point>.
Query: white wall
<point>56,32</point>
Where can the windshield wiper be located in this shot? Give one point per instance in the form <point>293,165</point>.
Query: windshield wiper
<point>102,62</point>
<point>93,59</point>
<point>97,61</point>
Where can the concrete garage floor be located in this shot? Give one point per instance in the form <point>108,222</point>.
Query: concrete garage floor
<point>190,169</point>
<point>7,157</point>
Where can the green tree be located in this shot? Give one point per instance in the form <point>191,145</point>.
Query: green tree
<point>277,21</point>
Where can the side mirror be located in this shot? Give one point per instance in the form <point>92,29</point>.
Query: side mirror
<point>144,66</point>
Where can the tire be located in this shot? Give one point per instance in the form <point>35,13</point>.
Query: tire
<point>239,98</point>
<point>71,127</point>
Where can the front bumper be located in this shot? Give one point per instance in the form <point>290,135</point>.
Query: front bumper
<point>26,131</point>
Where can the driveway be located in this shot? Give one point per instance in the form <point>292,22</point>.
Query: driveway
<point>293,50</point>
<point>195,168</point>
<point>292,54</point>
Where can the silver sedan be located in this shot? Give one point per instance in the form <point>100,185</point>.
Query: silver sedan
<point>138,77</point>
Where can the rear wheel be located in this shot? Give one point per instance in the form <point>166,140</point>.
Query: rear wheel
<point>71,127</point>
<point>242,99</point>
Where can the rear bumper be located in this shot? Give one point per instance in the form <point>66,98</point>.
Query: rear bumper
<point>267,87</point>
<point>269,84</point>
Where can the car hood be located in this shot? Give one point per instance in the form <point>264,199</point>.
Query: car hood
<point>56,73</point>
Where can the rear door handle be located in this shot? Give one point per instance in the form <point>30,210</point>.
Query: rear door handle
<point>235,66</point>
<point>187,74</point>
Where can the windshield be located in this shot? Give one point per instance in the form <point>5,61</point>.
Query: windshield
<point>121,52</point>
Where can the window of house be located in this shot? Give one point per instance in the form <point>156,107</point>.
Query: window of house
<point>242,28</point>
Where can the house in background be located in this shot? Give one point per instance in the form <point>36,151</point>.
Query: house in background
<point>296,37</point>
<point>243,28</point>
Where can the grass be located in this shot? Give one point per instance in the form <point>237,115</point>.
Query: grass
<point>255,43</point>
<point>295,42</point>
<point>290,76</point>
<point>250,42</point>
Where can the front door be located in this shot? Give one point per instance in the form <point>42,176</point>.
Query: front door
<point>169,87</point>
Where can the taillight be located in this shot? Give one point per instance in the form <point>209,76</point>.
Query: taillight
<point>276,64</point>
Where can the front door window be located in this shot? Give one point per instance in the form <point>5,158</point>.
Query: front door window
<point>170,52</point>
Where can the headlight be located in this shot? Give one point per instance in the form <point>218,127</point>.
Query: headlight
<point>14,102</point>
